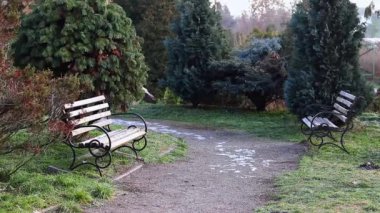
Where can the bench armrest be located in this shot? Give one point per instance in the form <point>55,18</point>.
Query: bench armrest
<point>94,140</point>
<point>135,115</point>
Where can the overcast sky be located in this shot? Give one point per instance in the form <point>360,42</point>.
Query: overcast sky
<point>238,6</point>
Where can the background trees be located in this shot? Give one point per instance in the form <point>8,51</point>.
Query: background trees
<point>327,38</point>
<point>91,38</point>
<point>257,72</point>
<point>198,39</point>
<point>152,19</point>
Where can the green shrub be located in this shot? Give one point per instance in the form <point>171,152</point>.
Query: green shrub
<point>171,98</point>
<point>261,83</point>
<point>258,49</point>
<point>92,38</point>
<point>375,105</point>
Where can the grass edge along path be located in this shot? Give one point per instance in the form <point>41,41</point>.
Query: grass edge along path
<point>275,125</point>
<point>327,180</point>
<point>31,188</point>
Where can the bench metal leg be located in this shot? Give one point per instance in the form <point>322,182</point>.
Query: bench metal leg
<point>134,149</point>
<point>129,147</point>
<point>103,158</point>
<point>100,162</point>
<point>320,136</point>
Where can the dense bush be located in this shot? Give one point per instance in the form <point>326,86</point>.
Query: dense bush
<point>327,39</point>
<point>171,98</point>
<point>92,38</point>
<point>28,98</point>
<point>31,103</point>
<point>261,83</point>
<point>375,105</point>
<point>258,48</point>
<point>198,39</point>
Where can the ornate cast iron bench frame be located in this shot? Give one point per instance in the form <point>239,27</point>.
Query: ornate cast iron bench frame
<point>336,119</point>
<point>93,114</point>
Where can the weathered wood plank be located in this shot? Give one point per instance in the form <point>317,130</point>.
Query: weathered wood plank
<point>100,123</point>
<point>317,122</point>
<point>88,109</point>
<point>341,109</point>
<point>129,138</point>
<point>344,101</point>
<point>84,102</point>
<point>118,137</point>
<point>340,116</point>
<point>347,95</point>
<point>91,118</point>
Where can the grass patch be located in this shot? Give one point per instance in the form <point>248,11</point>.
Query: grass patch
<point>32,188</point>
<point>276,125</point>
<point>330,181</point>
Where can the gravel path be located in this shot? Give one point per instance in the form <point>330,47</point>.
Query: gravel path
<point>225,171</point>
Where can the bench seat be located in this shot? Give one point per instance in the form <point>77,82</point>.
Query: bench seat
<point>118,138</point>
<point>318,122</point>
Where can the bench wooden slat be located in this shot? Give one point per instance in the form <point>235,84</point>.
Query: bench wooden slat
<point>340,116</point>
<point>341,109</point>
<point>129,138</point>
<point>118,133</point>
<point>318,121</point>
<point>344,101</point>
<point>84,102</point>
<point>102,138</point>
<point>100,123</point>
<point>116,137</point>
<point>88,109</point>
<point>347,95</point>
<point>90,118</point>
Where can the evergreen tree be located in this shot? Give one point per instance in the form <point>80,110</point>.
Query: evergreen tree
<point>327,38</point>
<point>92,38</point>
<point>152,20</point>
<point>199,39</point>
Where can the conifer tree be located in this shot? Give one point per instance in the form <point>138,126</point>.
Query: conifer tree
<point>198,40</point>
<point>92,38</point>
<point>152,20</point>
<point>327,38</point>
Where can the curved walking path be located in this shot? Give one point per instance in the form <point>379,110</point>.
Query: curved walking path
<point>224,171</point>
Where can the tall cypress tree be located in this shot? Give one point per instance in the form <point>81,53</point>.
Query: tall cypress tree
<point>199,39</point>
<point>152,20</point>
<point>327,38</point>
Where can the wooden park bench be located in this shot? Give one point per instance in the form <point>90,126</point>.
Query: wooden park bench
<point>93,114</point>
<point>331,122</point>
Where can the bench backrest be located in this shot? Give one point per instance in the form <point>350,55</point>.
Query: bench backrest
<point>344,106</point>
<point>92,110</point>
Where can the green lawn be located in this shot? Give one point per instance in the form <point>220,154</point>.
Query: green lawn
<point>276,125</point>
<point>327,180</point>
<point>31,188</point>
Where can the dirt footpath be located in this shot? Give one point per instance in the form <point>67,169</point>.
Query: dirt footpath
<point>225,171</point>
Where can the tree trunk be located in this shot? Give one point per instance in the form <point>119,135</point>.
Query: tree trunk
<point>258,100</point>
<point>195,104</point>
